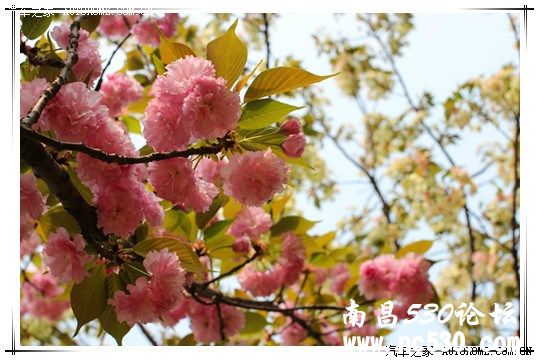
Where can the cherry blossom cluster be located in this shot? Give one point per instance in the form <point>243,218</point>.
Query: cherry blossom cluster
<point>294,143</point>
<point>147,300</point>
<point>405,279</point>
<point>250,223</point>
<point>76,114</point>
<point>66,257</point>
<point>142,28</point>
<point>31,207</point>
<point>40,298</point>
<point>88,66</point>
<point>286,272</point>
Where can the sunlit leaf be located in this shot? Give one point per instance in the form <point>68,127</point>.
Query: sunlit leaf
<point>254,322</point>
<point>108,318</point>
<point>228,54</point>
<point>261,113</point>
<point>171,51</point>
<point>89,298</point>
<point>280,80</point>
<point>419,247</point>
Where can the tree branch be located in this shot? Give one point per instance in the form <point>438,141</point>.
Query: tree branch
<point>59,183</point>
<point>100,81</point>
<point>34,59</point>
<point>71,59</point>
<point>224,143</point>
<point>147,335</point>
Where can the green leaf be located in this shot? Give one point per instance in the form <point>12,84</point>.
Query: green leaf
<point>280,80</point>
<point>216,229</point>
<point>132,125</point>
<point>177,222</point>
<point>185,253</point>
<point>82,189</point>
<point>90,22</point>
<point>171,51</point>
<point>89,298</point>
<point>254,322</point>
<point>58,217</point>
<point>203,218</point>
<point>34,26</point>
<point>296,224</point>
<point>228,54</point>
<point>261,113</point>
<point>159,66</point>
<point>133,61</point>
<point>217,243</point>
<point>419,247</point>
<point>108,319</point>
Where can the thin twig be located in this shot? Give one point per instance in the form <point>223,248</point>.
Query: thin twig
<point>100,81</point>
<point>121,159</point>
<point>71,59</point>
<point>147,334</point>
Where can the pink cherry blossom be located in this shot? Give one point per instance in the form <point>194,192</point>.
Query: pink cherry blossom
<point>259,283</point>
<point>209,170</point>
<point>115,27</point>
<point>88,65</point>
<point>74,113</point>
<point>233,319</point>
<point>168,278</point>
<point>252,178</point>
<point>174,180</point>
<point>144,31</point>
<point>66,258</point>
<point>177,313</point>
<point>30,94</point>
<point>251,222</point>
<point>136,306</point>
<point>190,104</point>
<point>339,276</point>
<point>32,201</point>
<point>411,282</point>
<point>294,145</point>
<point>39,298</point>
<point>242,245</point>
<point>292,126</point>
<point>292,259</point>
<point>160,296</point>
<point>377,276</point>
<point>293,334</point>
<point>29,239</point>
<point>210,108</point>
<point>164,130</point>
<point>203,322</point>
<point>123,205</point>
<point>118,91</point>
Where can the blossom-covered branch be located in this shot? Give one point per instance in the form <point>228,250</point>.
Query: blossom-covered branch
<point>223,144</point>
<point>71,59</point>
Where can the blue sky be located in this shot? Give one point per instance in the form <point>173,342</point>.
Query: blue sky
<point>444,51</point>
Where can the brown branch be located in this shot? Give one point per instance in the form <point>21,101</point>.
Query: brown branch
<point>34,59</point>
<point>71,59</point>
<point>224,143</point>
<point>100,81</point>
<point>147,334</point>
<point>516,186</point>
<point>266,34</point>
<point>59,183</point>
<point>435,138</point>
<point>221,321</point>
<point>233,270</point>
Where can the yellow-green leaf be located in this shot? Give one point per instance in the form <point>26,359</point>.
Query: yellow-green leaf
<point>419,247</point>
<point>108,318</point>
<point>202,219</point>
<point>185,253</point>
<point>241,83</point>
<point>171,51</point>
<point>89,298</point>
<point>228,54</point>
<point>261,113</point>
<point>58,217</point>
<point>33,25</point>
<point>132,125</point>
<point>90,22</point>
<point>254,322</point>
<point>296,224</point>
<point>159,66</point>
<point>280,80</point>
